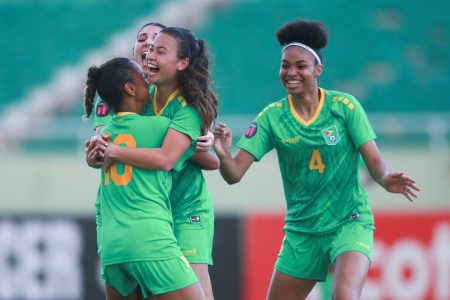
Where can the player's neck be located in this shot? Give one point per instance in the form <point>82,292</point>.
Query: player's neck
<point>162,94</point>
<point>306,104</point>
<point>132,106</point>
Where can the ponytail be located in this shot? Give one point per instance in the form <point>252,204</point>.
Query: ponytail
<point>108,80</point>
<point>90,90</point>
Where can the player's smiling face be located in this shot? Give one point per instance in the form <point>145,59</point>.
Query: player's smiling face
<point>298,71</point>
<point>144,39</point>
<point>163,62</point>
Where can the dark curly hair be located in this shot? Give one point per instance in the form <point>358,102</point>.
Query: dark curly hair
<point>310,33</point>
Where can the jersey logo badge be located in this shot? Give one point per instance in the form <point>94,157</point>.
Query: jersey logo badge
<point>251,131</point>
<point>102,109</point>
<point>331,135</point>
<point>194,219</point>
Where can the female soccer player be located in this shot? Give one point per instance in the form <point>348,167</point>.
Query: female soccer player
<point>179,71</point>
<point>318,135</point>
<point>144,37</point>
<point>137,246</point>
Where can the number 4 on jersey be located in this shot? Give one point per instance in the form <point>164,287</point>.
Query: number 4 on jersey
<point>316,162</point>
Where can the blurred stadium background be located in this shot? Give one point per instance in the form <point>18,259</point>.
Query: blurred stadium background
<point>394,56</point>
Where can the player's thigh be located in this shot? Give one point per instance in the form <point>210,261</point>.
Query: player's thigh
<point>202,272</point>
<point>192,292</point>
<point>285,287</point>
<point>113,294</point>
<point>351,250</point>
<point>350,272</point>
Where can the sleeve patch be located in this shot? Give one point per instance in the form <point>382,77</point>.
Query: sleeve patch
<point>102,109</point>
<point>251,131</point>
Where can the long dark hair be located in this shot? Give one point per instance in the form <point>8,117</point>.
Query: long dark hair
<point>195,81</point>
<point>108,80</point>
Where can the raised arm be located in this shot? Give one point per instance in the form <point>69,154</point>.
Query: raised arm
<point>231,169</point>
<point>164,158</point>
<point>394,182</point>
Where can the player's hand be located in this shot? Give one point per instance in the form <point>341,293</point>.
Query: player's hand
<point>107,160</point>
<point>399,183</point>
<point>205,142</point>
<point>94,149</point>
<point>99,140</point>
<point>223,139</point>
<point>94,158</point>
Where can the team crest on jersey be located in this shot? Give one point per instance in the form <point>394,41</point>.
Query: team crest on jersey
<point>331,135</point>
<point>102,109</point>
<point>251,131</point>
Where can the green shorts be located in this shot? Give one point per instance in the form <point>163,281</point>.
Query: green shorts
<point>308,256</point>
<point>153,277</point>
<point>196,243</point>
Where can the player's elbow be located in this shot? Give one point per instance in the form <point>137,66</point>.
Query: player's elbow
<point>232,179</point>
<point>167,164</point>
<point>162,163</point>
<point>213,165</point>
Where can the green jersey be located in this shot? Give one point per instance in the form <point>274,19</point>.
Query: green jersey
<point>183,118</point>
<point>102,113</point>
<point>190,199</point>
<point>136,218</point>
<point>318,159</point>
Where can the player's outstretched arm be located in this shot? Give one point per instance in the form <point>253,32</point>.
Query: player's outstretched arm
<point>394,182</point>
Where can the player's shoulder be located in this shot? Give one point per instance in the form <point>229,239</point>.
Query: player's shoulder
<point>178,101</point>
<point>181,100</point>
<point>340,100</point>
<point>276,107</point>
<point>154,120</point>
<point>101,107</point>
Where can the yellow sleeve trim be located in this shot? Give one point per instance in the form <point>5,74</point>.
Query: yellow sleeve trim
<point>345,101</point>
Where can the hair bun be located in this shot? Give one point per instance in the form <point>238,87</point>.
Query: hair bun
<point>311,33</point>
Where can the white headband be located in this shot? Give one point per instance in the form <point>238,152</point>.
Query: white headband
<point>304,47</point>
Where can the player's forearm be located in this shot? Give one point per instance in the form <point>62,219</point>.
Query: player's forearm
<point>145,158</point>
<point>206,160</point>
<point>229,169</point>
<point>378,171</point>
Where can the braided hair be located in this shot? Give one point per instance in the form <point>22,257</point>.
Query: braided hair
<point>108,80</point>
